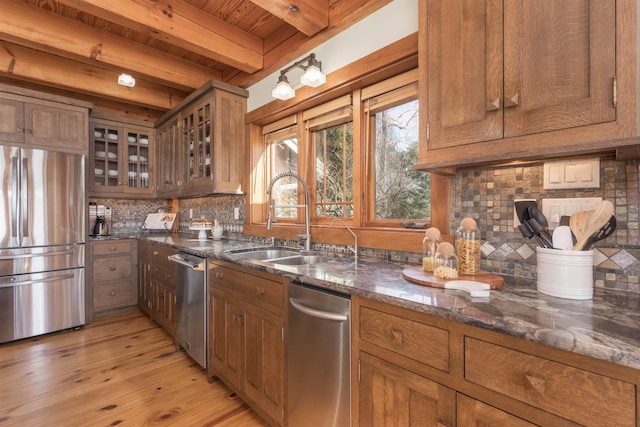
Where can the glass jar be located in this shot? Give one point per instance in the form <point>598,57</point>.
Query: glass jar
<point>432,238</point>
<point>445,262</point>
<point>468,247</point>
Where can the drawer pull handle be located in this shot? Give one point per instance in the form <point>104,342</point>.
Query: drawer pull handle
<point>112,248</point>
<point>398,336</point>
<point>259,290</point>
<point>493,105</point>
<point>219,276</point>
<point>538,384</point>
<point>112,268</point>
<point>112,293</point>
<point>155,253</point>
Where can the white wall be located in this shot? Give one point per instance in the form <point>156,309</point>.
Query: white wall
<point>396,20</point>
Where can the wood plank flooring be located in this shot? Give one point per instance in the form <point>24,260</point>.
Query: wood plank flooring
<point>122,370</point>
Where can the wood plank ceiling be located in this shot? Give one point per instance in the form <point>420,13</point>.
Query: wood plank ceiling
<point>78,48</point>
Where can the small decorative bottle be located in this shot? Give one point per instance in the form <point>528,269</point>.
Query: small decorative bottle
<point>468,247</point>
<point>432,238</point>
<point>446,262</point>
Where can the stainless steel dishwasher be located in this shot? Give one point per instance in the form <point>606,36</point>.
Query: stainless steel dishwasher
<point>319,358</point>
<point>191,305</point>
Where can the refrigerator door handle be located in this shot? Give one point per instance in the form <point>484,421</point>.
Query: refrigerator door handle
<point>13,187</point>
<point>37,255</point>
<point>31,282</point>
<point>25,197</point>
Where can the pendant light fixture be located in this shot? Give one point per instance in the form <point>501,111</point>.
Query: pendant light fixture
<point>312,77</point>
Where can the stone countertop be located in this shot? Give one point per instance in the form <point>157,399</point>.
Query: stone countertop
<point>606,327</point>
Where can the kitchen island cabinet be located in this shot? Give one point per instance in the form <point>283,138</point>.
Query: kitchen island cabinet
<point>205,138</point>
<point>246,335</point>
<point>157,284</point>
<point>113,278</point>
<point>414,365</point>
<point>519,80</point>
<point>121,159</point>
<point>36,120</point>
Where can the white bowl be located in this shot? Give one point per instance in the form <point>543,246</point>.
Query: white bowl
<point>100,154</point>
<point>144,175</point>
<point>132,174</point>
<point>133,158</point>
<point>131,138</point>
<point>144,140</point>
<point>98,134</point>
<point>99,171</point>
<point>113,173</point>
<point>112,136</point>
<point>112,155</point>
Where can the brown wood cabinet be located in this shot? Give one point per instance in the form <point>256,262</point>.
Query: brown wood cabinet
<point>246,335</point>
<point>113,274</point>
<point>157,284</point>
<point>201,143</point>
<point>36,120</point>
<point>468,376</point>
<point>516,80</point>
<point>121,159</point>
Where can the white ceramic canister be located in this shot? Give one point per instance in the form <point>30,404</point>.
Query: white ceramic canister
<point>565,274</point>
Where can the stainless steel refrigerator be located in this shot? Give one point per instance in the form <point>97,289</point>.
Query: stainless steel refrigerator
<point>42,242</point>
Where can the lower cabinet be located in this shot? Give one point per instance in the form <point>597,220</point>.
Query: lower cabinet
<point>247,336</point>
<point>157,284</point>
<point>113,278</point>
<point>417,369</point>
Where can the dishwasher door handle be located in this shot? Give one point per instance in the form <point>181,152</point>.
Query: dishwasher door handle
<point>326,315</point>
<point>194,266</point>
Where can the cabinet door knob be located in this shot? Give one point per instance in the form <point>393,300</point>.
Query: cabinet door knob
<point>398,336</point>
<point>219,276</point>
<point>112,268</point>
<point>512,102</point>
<point>259,290</point>
<point>538,384</point>
<point>112,248</point>
<point>112,293</point>
<point>493,105</point>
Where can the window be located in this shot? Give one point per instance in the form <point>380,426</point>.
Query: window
<point>396,192</point>
<point>356,154</point>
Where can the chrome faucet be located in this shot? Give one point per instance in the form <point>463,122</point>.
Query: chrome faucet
<point>353,248</point>
<point>306,238</point>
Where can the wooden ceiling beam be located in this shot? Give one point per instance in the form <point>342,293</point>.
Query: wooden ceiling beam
<point>183,25</point>
<point>308,16</point>
<point>27,64</point>
<point>45,30</point>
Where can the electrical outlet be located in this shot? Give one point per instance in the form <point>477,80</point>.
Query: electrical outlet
<point>236,213</point>
<point>553,209</point>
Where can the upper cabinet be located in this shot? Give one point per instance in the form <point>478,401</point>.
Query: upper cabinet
<point>524,79</point>
<point>121,159</point>
<point>201,143</point>
<point>53,122</point>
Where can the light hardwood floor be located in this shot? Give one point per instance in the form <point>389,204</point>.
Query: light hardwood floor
<point>122,370</point>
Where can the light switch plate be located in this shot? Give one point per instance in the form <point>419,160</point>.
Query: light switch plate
<point>581,173</point>
<point>553,209</point>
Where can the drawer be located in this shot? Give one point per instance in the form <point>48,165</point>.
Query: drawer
<point>159,254</point>
<point>112,247</point>
<point>254,288</point>
<point>415,340</point>
<point>164,273</point>
<point>111,268</point>
<point>112,295</point>
<point>557,388</point>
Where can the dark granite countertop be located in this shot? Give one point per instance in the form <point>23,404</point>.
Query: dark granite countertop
<point>606,327</point>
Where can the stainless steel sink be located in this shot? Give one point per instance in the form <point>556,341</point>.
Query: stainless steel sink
<point>299,260</point>
<point>278,255</point>
<point>263,254</point>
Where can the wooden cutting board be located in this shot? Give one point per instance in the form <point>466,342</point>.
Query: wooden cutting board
<point>421,277</point>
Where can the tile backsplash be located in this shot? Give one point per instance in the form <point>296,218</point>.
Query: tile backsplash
<point>487,195</point>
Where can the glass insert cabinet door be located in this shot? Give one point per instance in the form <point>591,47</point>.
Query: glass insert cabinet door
<point>196,136</point>
<point>106,144</point>
<point>137,160</point>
